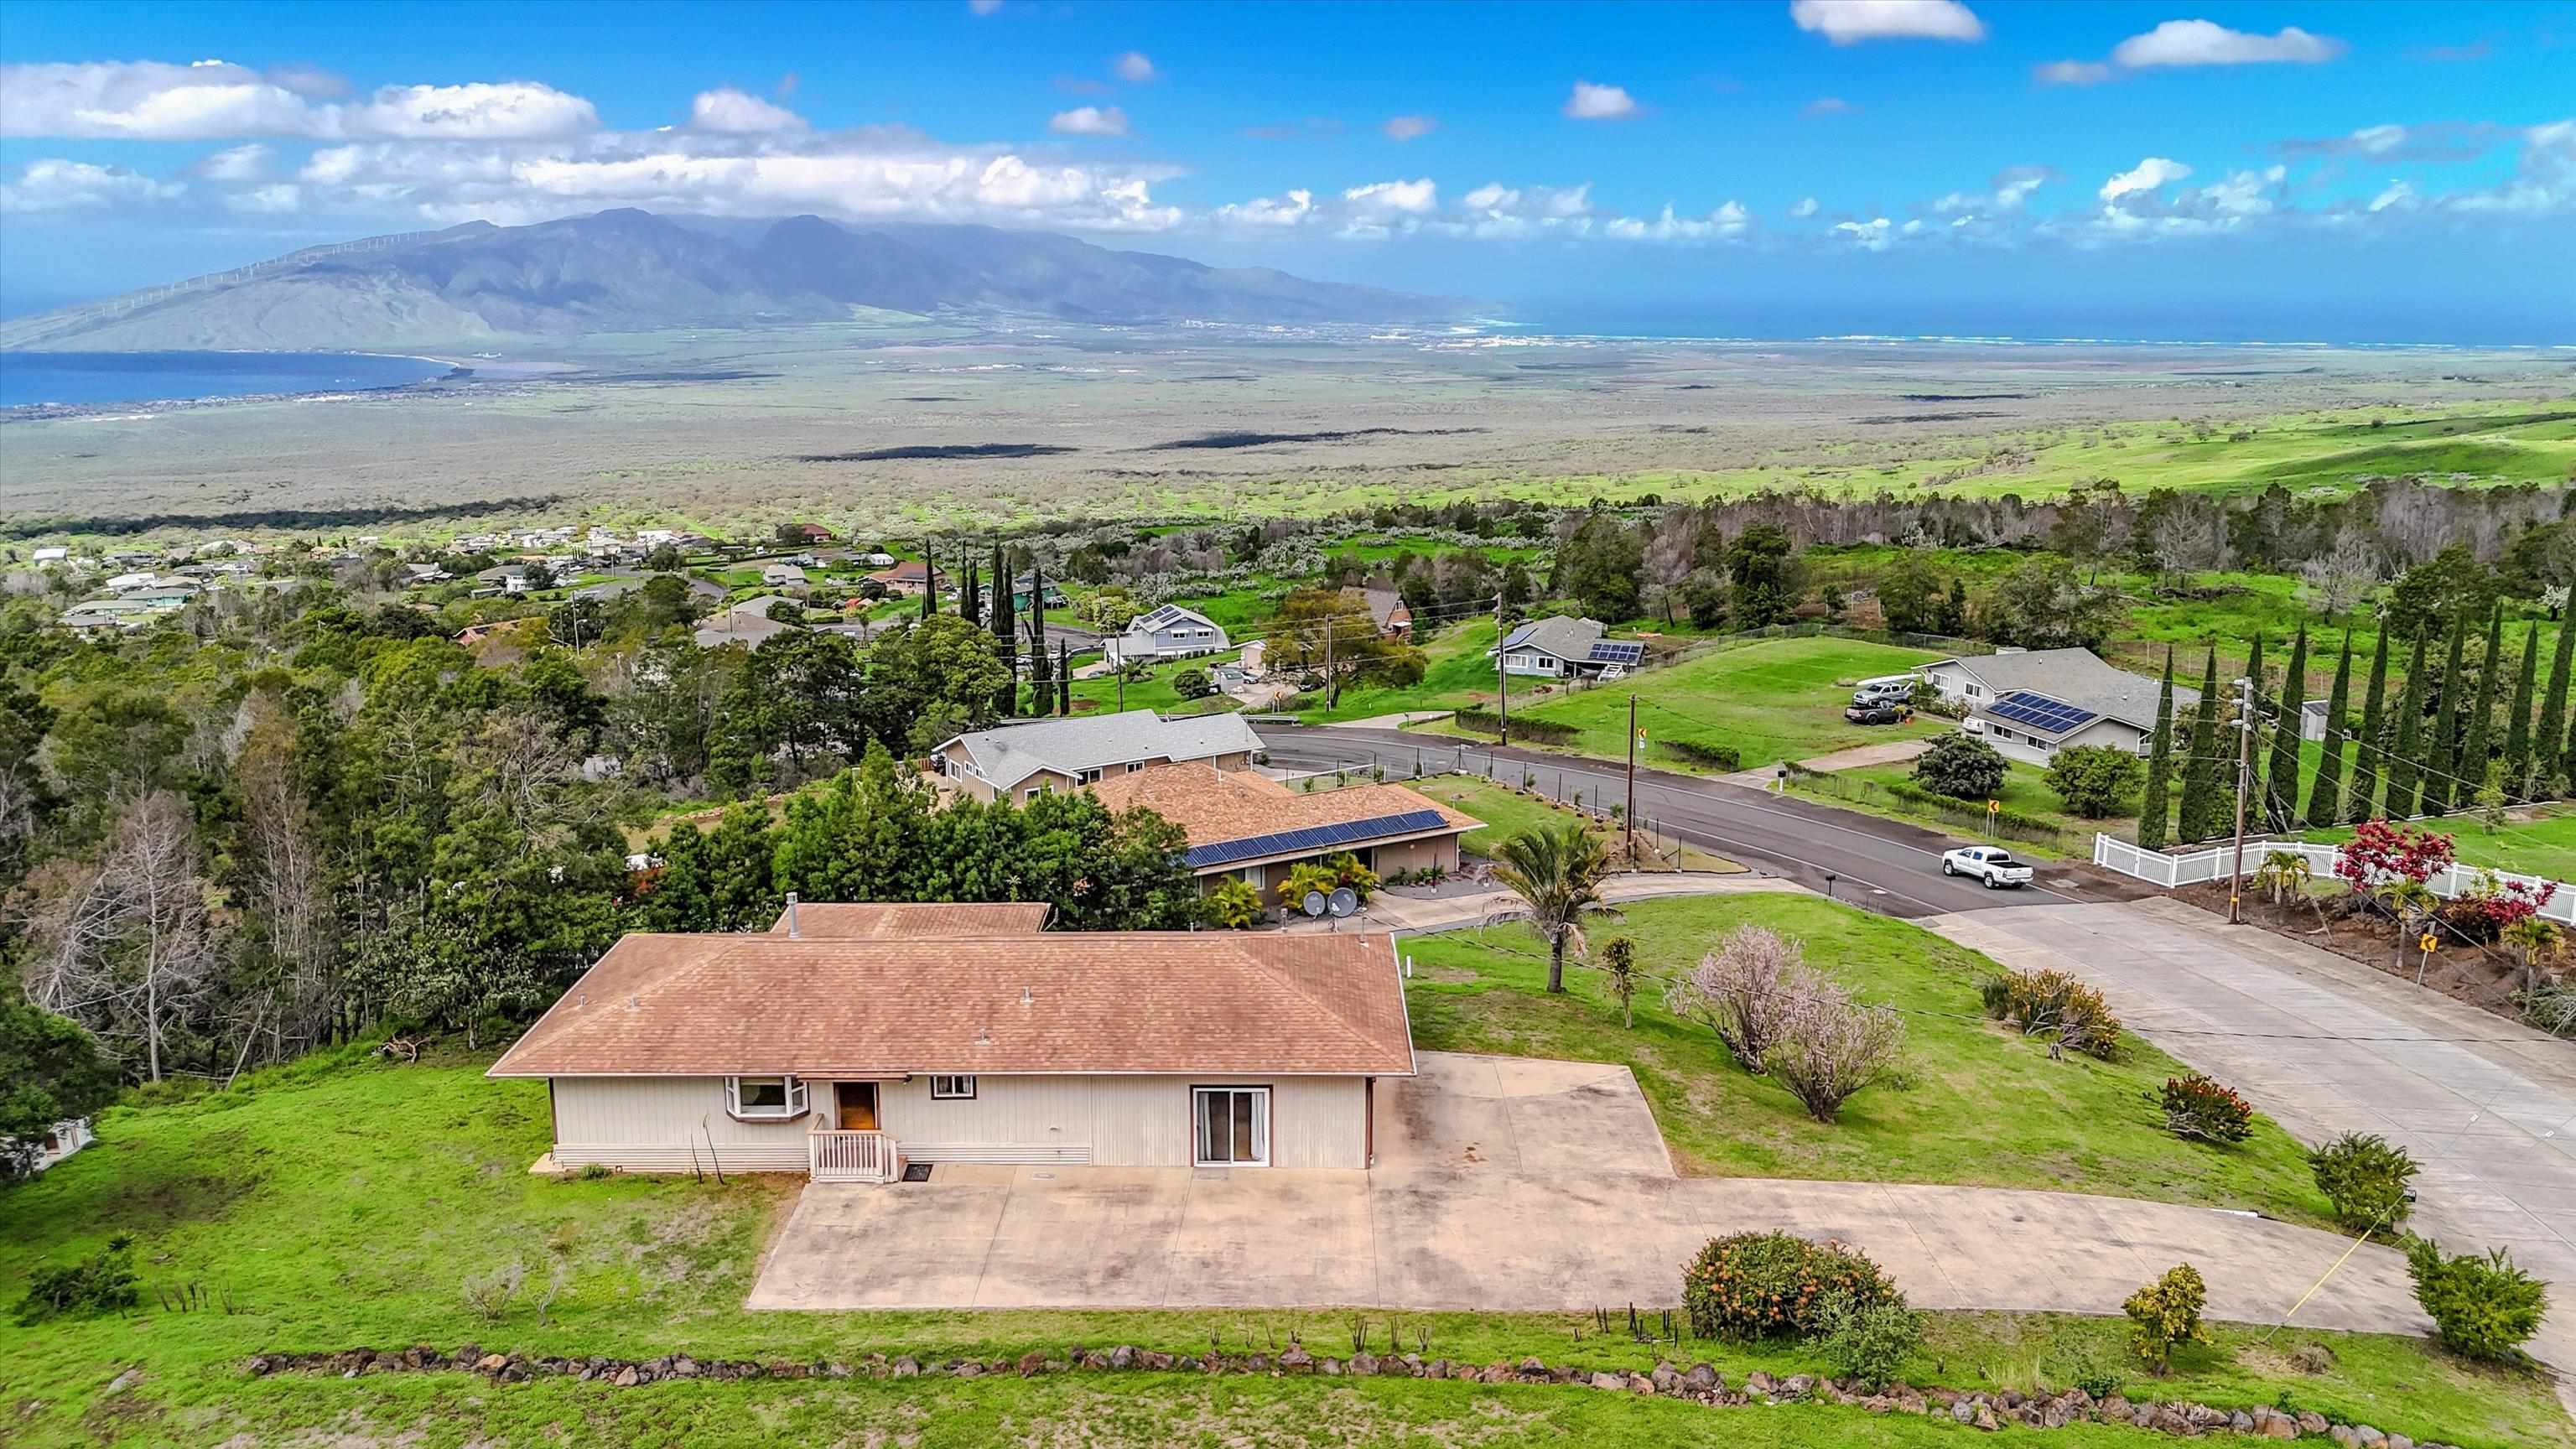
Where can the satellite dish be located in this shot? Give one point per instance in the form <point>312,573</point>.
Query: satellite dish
<point>1314,903</point>
<point>1344,901</point>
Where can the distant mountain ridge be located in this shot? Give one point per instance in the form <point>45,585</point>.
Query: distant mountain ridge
<point>628,270</point>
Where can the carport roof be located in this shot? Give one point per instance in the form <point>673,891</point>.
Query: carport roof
<point>1169,1002</point>
<point>886,920</point>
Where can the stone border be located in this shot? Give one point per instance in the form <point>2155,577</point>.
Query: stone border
<point>1988,1410</point>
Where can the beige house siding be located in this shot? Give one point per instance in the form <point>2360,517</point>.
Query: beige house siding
<point>649,1124</point>
<point>959,767</point>
<point>1441,851</point>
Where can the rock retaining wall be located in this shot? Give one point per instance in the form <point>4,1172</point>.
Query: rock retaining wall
<point>1981,1409</point>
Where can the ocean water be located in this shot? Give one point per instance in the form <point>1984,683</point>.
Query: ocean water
<point>88,379</point>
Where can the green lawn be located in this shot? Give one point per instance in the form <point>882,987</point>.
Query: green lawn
<point>1506,812</point>
<point>1154,692</point>
<point>1772,700</point>
<point>2545,846</point>
<point>1459,672</point>
<point>2025,791</point>
<point>341,1202</point>
<point>1980,1106</point>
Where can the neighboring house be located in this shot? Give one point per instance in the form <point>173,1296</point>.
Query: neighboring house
<point>1562,648</point>
<point>1167,632</point>
<point>1017,761</point>
<point>782,576</point>
<point>1386,608</point>
<point>747,623</point>
<point>910,577</point>
<point>2031,703</point>
<point>510,578</point>
<point>607,589</point>
<point>1248,827</point>
<point>421,573</point>
<point>933,1040</point>
<point>53,555</point>
<point>812,533</point>
<point>56,1143</point>
<point>1055,597</point>
<point>104,614</point>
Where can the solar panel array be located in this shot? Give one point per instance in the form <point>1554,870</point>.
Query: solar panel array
<point>1609,653</point>
<point>1314,838</point>
<point>2040,712</point>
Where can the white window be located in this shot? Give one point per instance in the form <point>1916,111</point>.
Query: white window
<point>1972,690</point>
<point>765,1097</point>
<point>1088,777</point>
<point>1233,1126</point>
<point>952,1089</point>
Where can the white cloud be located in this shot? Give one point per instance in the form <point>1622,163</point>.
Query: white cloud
<point>2010,188</point>
<point>2203,42</point>
<point>2151,174</point>
<point>2544,181</point>
<point>1869,236</point>
<point>1493,196</point>
<point>1828,106</point>
<point>1848,22</point>
<point>2071,73</point>
<point>2243,193</point>
<point>983,7</point>
<point>1134,68</point>
<point>2398,196</point>
<point>1089,121</point>
<point>1590,102</point>
<point>282,199</point>
<point>1805,208</point>
<point>1382,200</point>
<point>1291,209</point>
<point>1730,222</point>
<point>59,185</point>
<point>1407,128</point>
<point>237,163</point>
<point>209,100</point>
<point>2378,140</point>
<point>732,112</point>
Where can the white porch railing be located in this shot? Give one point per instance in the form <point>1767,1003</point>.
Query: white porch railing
<point>2169,871</point>
<point>853,1157</point>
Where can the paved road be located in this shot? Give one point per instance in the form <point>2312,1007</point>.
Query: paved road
<point>1885,865</point>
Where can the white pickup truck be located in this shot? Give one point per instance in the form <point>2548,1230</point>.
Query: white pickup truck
<point>1987,863</point>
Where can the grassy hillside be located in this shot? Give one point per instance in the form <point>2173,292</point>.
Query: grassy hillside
<point>1775,699</point>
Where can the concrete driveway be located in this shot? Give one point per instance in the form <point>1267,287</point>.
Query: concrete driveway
<point>1509,1184</point>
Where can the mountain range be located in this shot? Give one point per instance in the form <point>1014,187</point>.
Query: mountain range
<point>632,271</point>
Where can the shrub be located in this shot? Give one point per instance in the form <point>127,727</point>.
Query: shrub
<point>1772,1285</point>
<point>1868,1341</point>
<point>2094,780</point>
<point>1960,766</point>
<point>100,1283</point>
<point>1835,1049</point>
<point>1714,757</point>
<point>489,1297</point>
<point>1347,870</point>
<point>1193,684</point>
<point>1233,905</point>
<point>2550,1006</point>
<point>1528,731</point>
<point>2482,1306</point>
<point>2165,1314</point>
<point>596,1171</point>
<point>1746,991</point>
<point>2195,1106</point>
<point>2057,1006</point>
<point>2365,1179</point>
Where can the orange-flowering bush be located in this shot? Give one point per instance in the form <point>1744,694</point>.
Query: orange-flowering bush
<point>1771,1285</point>
<point>2195,1106</point>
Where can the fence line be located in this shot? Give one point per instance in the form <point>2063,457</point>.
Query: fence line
<point>2171,871</point>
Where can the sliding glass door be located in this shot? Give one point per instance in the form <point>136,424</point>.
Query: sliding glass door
<point>1233,1126</point>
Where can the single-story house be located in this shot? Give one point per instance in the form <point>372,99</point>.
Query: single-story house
<point>1245,826</point>
<point>812,533</point>
<point>2031,703</point>
<point>1167,632</point>
<point>128,583</point>
<point>53,555</point>
<point>782,576</point>
<point>910,577</point>
<point>747,623</point>
<point>1562,648</point>
<point>56,1143</point>
<point>1386,609</point>
<point>424,573</point>
<point>1020,587</point>
<point>850,1058</point>
<point>1016,761</point>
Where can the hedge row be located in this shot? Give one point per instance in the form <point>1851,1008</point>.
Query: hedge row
<point>1537,732</point>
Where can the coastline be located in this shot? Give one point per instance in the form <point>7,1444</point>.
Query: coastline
<point>461,370</point>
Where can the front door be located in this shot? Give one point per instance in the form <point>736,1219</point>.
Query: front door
<point>1232,1126</point>
<point>857,1106</point>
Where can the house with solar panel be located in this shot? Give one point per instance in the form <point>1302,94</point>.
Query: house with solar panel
<point>1248,827</point>
<point>1016,761</point>
<point>1562,648</point>
<point>2031,703</point>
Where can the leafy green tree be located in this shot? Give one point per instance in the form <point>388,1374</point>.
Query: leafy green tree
<point>2431,594</point>
<point>939,670</point>
<point>1909,594</point>
<point>717,880</point>
<point>1762,568</point>
<point>1557,871</point>
<point>2094,781</point>
<point>2405,756</point>
<point>2202,802</point>
<point>861,837</point>
<point>2367,761</point>
<point>2043,604</point>
<point>2325,794</point>
<point>1704,594</point>
<point>2155,800</point>
<point>51,1070</point>
<point>2517,721</point>
<point>1960,766</point>
<point>1193,684</point>
<point>2445,702</point>
<point>2549,767</point>
<point>1954,609</point>
<point>1600,567</point>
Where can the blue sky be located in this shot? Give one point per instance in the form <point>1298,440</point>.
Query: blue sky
<point>2384,170</point>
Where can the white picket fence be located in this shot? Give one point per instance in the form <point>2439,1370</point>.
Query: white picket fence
<point>2169,871</point>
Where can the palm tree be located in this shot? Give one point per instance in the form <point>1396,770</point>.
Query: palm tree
<point>1557,870</point>
<point>2534,940</point>
<point>2405,899</point>
<point>2283,872</point>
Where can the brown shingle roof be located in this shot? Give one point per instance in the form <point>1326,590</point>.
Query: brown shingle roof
<point>1138,1002</point>
<point>884,921</point>
<point>1213,807</point>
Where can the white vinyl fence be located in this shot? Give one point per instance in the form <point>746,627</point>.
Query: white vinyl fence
<point>2169,871</point>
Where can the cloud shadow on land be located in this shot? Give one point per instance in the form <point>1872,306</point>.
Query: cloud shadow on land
<point>1263,440</point>
<point>939,451</point>
<point>279,518</point>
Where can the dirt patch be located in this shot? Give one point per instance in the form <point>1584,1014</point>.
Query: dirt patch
<point>2481,977</point>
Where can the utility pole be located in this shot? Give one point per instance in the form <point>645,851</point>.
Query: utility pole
<point>2244,772</point>
<point>1329,691</point>
<point>1502,681</point>
<point>1630,818</point>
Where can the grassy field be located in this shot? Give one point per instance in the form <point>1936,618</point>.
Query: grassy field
<point>2025,791</point>
<point>1980,1105</point>
<point>1153,692</point>
<point>342,1202</point>
<point>1772,700</point>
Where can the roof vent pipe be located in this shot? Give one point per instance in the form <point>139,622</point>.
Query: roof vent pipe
<point>791,917</point>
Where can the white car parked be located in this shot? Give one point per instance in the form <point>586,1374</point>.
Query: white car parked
<point>1990,864</point>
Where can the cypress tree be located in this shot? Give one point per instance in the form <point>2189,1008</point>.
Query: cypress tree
<point>2477,747</point>
<point>2155,802</point>
<point>970,597</point>
<point>1041,672</point>
<point>2254,796</point>
<point>2517,724</point>
<point>2405,766</point>
<point>2366,761</point>
<point>2549,772</point>
<point>929,581</point>
<point>2200,801</point>
<point>1063,680</point>
<point>2281,796</point>
<point>2439,781</point>
<point>2325,797</point>
<point>1006,637</point>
